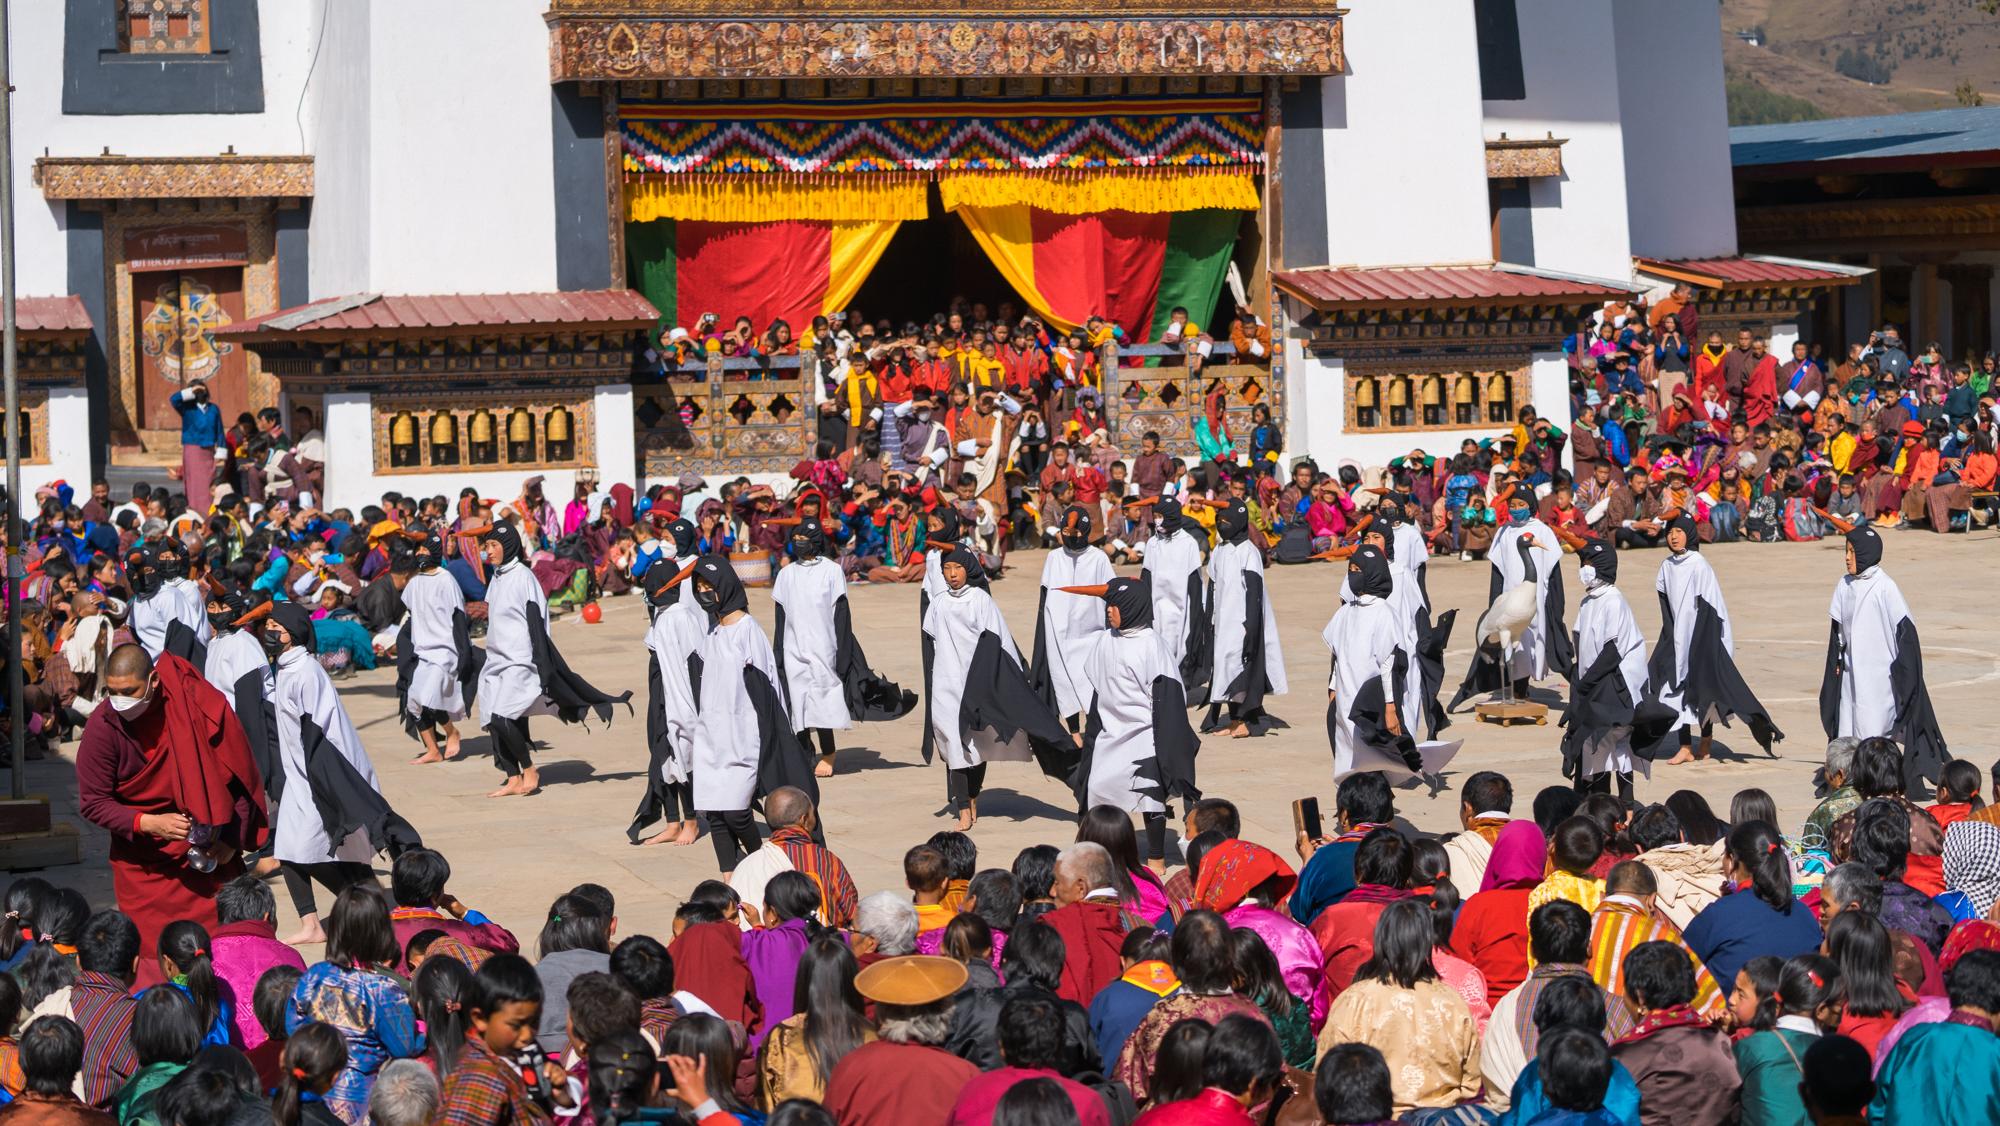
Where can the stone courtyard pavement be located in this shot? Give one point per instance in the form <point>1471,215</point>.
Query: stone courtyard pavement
<point>511,857</point>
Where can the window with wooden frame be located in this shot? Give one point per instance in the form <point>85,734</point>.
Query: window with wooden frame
<point>164,27</point>
<point>419,434</point>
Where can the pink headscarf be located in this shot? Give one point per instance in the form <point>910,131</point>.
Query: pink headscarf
<point>1520,857</point>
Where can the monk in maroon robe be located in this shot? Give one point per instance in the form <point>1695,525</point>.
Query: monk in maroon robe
<point>165,768</point>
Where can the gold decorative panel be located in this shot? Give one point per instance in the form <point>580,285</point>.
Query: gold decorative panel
<point>428,433</point>
<point>165,27</point>
<point>1517,160</point>
<point>228,176</point>
<point>982,42</point>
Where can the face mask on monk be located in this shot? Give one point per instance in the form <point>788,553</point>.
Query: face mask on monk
<point>130,707</point>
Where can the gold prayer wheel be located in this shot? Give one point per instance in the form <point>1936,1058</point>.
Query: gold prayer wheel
<point>1365,395</point>
<point>444,429</point>
<point>403,429</point>
<point>1433,390</point>
<point>520,426</point>
<point>556,427</point>
<point>1399,392</point>
<point>482,427</point>
<point>1499,389</point>
<point>1465,390</point>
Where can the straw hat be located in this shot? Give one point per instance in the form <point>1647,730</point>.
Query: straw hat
<point>912,979</point>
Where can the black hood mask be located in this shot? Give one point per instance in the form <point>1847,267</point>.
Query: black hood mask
<point>1133,599</point>
<point>725,595</point>
<point>1368,572</point>
<point>1867,545</point>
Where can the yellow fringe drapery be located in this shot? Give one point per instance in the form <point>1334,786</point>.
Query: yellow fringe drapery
<point>1089,191</point>
<point>726,198</point>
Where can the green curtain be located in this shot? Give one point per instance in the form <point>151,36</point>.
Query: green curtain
<point>1199,244</point>
<point>650,264</point>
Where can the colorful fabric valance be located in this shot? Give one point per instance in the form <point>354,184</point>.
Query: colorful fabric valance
<point>1143,190</point>
<point>920,136</point>
<point>756,199</point>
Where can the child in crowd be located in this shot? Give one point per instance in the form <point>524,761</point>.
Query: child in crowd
<point>488,1088</point>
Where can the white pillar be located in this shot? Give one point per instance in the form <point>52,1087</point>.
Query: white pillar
<point>617,446</point>
<point>1318,386</point>
<point>350,450</point>
<point>1782,339</point>
<point>1548,389</point>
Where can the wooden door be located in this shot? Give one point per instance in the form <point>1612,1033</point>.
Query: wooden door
<point>178,313</point>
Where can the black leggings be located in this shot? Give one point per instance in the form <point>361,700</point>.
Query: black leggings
<point>1601,784</point>
<point>1156,835</point>
<point>825,740</point>
<point>734,835</point>
<point>962,786</point>
<point>676,801</point>
<point>510,744</point>
<point>335,876</point>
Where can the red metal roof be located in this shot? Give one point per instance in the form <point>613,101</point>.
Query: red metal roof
<point>373,312</point>
<point>1753,270</point>
<point>1421,285</point>
<point>51,314</point>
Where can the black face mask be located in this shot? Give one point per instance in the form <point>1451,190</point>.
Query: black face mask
<point>804,548</point>
<point>273,644</point>
<point>221,621</point>
<point>170,568</point>
<point>1075,542</point>
<point>707,598</point>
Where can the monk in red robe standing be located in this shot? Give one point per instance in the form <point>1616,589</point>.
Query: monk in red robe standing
<point>1760,384</point>
<point>165,768</point>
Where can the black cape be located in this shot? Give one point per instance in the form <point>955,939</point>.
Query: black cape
<point>183,643</point>
<point>999,698</point>
<point>1252,680</point>
<point>1169,774</point>
<point>259,719</point>
<point>1714,688</point>
<point>1916,729</point>
<point>653,803</point>
<point>572,695</point>
<point>1200,651</point>
<point>1599,700</point>
<point>869,695</point>
<point>1432,640</point>
<point>1369,715</point>
<point>344,799</point>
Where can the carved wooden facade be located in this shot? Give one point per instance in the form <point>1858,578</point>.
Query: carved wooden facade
<point>617,40</point>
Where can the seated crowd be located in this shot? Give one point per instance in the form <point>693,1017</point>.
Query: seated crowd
<point>1586,961</point>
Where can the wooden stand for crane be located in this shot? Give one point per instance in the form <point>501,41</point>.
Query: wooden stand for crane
<point>1509,712</point>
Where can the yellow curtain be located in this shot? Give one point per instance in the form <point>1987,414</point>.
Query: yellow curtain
<point>1007,235</point>
<point>852,252</point>
<point>1145,190</point>
<point>720,198</point>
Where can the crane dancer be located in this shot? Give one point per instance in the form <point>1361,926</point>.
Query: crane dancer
<point>825,676</point>
<point>1173,568</point>
<point>1597,742</point>
<point>981,706</point>
<point>1247,664</point>
<point>1874,683</point>
<point>1066,624</point>
<point>1138,747</point>
<point>1370,691</point>
<point>1693,671</point>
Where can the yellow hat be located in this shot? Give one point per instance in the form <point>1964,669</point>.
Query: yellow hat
<point>912,979</point>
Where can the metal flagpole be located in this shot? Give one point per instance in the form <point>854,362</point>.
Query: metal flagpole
<point>17,720</point>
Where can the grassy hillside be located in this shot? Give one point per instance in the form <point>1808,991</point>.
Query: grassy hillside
<point>1848,58</point>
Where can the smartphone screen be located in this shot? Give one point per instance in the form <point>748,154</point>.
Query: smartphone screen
<point>1305,818</point>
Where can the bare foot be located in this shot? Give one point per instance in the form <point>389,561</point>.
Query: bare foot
<point>430,755</point>
<point>965,819</point>
<point>309,932</point>
<point>665,835</point>
<point>531,782</point>
<point>1684,756</point>
<point>824,767</point>
<point>511,787</point>
<point>429,739</point>
<point>451,742</point>
<point>1240,731</point>
<point>1707,745</point>
<point>690,833</point>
